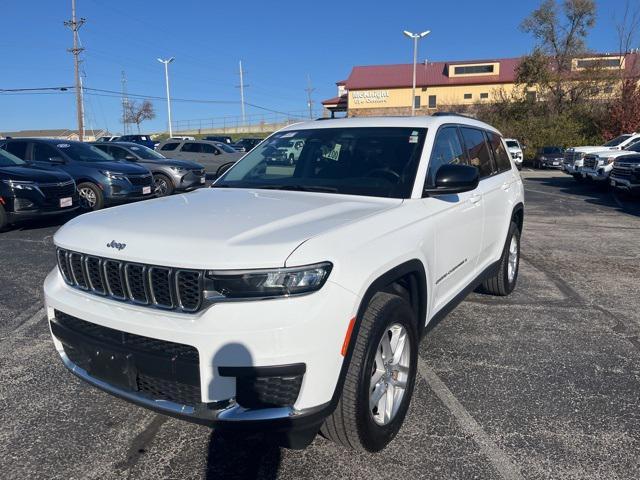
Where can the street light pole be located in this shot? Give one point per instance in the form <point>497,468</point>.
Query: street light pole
<point>415,37</point>
<point>166,78</point>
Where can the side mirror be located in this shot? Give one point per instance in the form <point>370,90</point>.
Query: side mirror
<point>57,160</point>
<point>454,178</point>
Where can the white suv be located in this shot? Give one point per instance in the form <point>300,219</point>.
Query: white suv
<point>289,299</point>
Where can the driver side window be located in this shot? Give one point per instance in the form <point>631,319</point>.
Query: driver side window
<point>447,148</point>
<point>117,153</point>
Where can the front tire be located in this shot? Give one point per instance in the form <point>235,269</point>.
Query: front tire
<point>91,197</point>
<point>380,378</point>
<point>3,218</point>
<point>163,185</point>
<point>504,281</point>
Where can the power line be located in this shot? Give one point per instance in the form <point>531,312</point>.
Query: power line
<point>32,89</point>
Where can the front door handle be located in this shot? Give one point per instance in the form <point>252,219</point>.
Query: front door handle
<point>475,199</point>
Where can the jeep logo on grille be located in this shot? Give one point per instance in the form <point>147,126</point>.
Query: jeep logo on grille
<point>116,245</point>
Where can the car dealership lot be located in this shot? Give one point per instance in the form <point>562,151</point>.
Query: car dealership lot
<point>541,384</point>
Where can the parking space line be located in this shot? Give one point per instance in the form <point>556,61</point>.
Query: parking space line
<point>498,459</point>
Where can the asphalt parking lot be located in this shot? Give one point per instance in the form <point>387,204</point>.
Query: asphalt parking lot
<point>542,384</point>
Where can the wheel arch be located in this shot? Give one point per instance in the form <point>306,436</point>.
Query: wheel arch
<point>517,215</point>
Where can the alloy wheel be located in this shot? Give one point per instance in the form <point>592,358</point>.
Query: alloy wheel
<point>390,374</point>
<point>161,186</point>
<point>512,265</point>
<point>87,198</point>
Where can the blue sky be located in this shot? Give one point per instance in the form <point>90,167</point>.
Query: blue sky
<point>280,43</point>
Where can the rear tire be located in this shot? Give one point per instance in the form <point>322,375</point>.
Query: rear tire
<point>163,185</point>
<point>91,197</point>
<point>504,281</point>
<point>376,391</point>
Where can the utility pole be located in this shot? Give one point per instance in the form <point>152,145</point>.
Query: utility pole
<point>74,24</point>
<point>125,102</point>
<point>242,86</point>
<point>309,91</point>
<point>166,78</point>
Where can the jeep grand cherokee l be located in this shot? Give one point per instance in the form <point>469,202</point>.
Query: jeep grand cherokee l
<point>289,299</point>
<point>101,180</point>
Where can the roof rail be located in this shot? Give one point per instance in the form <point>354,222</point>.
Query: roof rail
<point>452,114</point>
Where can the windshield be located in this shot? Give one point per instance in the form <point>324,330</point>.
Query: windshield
<point>512,144</point>
<point>551,150</point>
<point>375,161</point>
<point>634,148</point>
<point>225,148</point>
<point>617,141</point>
<point>146,153</point>
<point>84,153</point>
<point>9,160</point>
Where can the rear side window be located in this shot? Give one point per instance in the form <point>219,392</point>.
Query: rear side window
<point>169,146</point>
<point>447,149</point>
<point>206,148</point>
<point>117,152</point>
<point>43,152</point>
<point>477,150</point>
<point>19,149</point>
<point>500,154</point>
<point>191,148</point>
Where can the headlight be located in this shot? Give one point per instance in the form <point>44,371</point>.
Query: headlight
<point>178,170</point>
<point>18,185</point>
<point>544,159</point>
<point>609,161</point>
<point>112,175</point>
<point>279,282</point>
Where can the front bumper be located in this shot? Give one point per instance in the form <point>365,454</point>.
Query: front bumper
<point>189,181</point>
<point>39,213</point>
<point>552,164</point>
<point>305,330</point>
<point>598,174</point>
<point>624,184</point>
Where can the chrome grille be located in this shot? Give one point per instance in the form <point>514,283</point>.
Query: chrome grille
<point>621,172</point>
<point>590,161</point>
<point>150,285</point>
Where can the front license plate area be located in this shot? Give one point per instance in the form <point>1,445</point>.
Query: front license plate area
<point>66,202</point>
<point>146,190</point>
<point>114,368</point>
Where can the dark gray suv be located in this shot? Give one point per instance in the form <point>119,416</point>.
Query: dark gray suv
<point>169,174</point>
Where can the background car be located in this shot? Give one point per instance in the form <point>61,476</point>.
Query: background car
<point>169,174</point>
<point>549,157</point>
<point>139,139</point>
<point>101,180</point>
<point>208,153</point>
<point>247,143</point>
<point>106,138</point>
<point>28,192</point>
<point>515,150</point>
<point>219,138</point>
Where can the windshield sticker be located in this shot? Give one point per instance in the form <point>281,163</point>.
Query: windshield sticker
<point>289,135</point>
<point>63,145</point>
<point>135,148</point>
<point>413,139</point>
<point>333,154</point>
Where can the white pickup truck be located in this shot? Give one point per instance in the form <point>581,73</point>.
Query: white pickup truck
<point>598,166</point>
<point>574,157</point>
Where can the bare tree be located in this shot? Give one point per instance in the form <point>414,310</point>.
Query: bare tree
<point>138,113</point>
<point>560,31</point>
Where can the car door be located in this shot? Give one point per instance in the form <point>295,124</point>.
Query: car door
<point>457,222</point>
<point>499,193</point>
<point>46,155</point>
<point>189,151</point>
<point>493,186</point>
<point>212,157</point>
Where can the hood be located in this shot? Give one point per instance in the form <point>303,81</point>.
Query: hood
<point>629,160</point>
<point>216,228</point>
<point>118,167</point>
<point>174,162</point>
<point>612,153</point>
<point>34,174</point>
<point>592,149</point>
<point>514,149</point>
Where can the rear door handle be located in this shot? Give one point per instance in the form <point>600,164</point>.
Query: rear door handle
<point>506,186</point>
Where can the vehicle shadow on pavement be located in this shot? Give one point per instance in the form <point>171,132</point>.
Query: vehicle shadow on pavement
<point>593,193</point>
<point>236,456</point>
<point>35,224</point>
